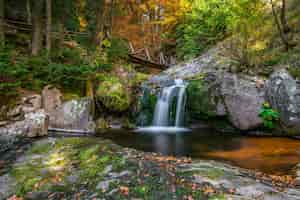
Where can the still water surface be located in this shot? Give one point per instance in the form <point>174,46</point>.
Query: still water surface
<point>267,154</point>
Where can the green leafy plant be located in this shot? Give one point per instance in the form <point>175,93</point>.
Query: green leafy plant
<point>268,115</point>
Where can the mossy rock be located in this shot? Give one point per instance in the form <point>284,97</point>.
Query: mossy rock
<point>146,106</point>
<point>102,125</point>
<point>113,95</point>
<point>202,99</point>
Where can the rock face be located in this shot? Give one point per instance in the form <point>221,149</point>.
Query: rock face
<point>51,98</point>
<point>35,124</point>
<point>31,103</point>
<point>229,96</point>
<point>283,94</point>
<point>73,115</point>
<point>214,92</point>
<point>243,101</point>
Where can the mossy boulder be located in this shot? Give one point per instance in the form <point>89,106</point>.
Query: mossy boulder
<point>146,107</point>
<point>113,95</point>
<point>204,100</point>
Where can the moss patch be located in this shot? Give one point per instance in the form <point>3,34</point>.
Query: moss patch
<point>113,95</point>
<point>201,102</point>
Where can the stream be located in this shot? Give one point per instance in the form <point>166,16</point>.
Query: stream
<point>272,155</point>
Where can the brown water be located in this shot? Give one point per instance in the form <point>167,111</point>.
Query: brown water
<point>271,155</point>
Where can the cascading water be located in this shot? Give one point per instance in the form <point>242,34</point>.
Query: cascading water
<point>163,105</point>
<point>163,120</point>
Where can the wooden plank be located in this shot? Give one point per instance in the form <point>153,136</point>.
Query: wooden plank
<point>146,63</point>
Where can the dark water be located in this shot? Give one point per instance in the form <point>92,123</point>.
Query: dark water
<point>266,154</point>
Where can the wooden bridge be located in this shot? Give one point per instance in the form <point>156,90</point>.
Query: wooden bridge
<point>143,57</point>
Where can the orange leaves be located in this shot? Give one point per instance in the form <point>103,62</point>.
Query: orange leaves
<point>208,190</point>
<point>15,198</point>
<point>124,190</point>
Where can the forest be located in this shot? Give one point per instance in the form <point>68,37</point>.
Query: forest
<point>150,99</point>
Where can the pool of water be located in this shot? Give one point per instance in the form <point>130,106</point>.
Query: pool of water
<point>271,155</point>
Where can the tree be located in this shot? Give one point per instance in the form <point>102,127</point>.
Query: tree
<point>48,25</point>
<point>37,20</point>
<point>2,31</point>
<point>281,23</point>
<point>100,13</point>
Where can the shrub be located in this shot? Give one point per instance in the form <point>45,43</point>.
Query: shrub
<point>269,116</point>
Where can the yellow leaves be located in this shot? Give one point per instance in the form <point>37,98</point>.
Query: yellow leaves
<point>82,23</point>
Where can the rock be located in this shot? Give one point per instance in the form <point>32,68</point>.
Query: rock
<point>35,124</point>
<point>204,98</point>
<point>31,103</point>
<point>113,95</point>
<point>7,186</point>
<point>104,185</point>
<point>73,115</point>
<point>101,124</point>
<point>225,94</point>
<point>282,92</point>
<point>243,101</point>
<point>51,98</point>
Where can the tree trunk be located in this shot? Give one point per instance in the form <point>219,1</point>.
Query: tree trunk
<point>2,31</point>
<point>48,25</point>
<point>283,19</point>
<point>61,30</point>
<point>37,39</point>
<point>28,10</point>
<point>280,30</point>
<point>99,31</point>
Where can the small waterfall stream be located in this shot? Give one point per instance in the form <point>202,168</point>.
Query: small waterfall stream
<point>163,105</point>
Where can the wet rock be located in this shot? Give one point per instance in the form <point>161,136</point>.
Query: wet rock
<point>282,92</point>
<point>104,185</point>
<point>7,142</point>
<point>228,178</point>
<point>51,98</point>
<point>204,97</point>
<point>73,115</point>
<point>35,124</point>
<point>36,195</point>
<point>6,186</point>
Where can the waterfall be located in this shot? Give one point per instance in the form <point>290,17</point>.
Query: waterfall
<point>162,108</point>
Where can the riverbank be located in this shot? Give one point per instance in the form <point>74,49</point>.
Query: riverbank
<point>89,168</point>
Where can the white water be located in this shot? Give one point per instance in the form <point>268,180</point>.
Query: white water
<point>162,108</point>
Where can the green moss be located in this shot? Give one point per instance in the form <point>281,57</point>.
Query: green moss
<point>201,103</point>
<point>146,106</point>
<point>70,96</point>
<point>217,197</point>
<point>208,172</point>
<point>40,148</point>
<point>113,95</point>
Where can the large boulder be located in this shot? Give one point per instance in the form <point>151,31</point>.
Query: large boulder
<point>113,95</point>
<point>74,115</point>
<point>243,101</point>
<point>31,103</point>
<point>51,98</point>
<point>283,94</point>
<point>226,95</point>
<point>34,124</point>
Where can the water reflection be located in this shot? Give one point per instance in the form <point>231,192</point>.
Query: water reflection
<point>166,145</point>
<point>271,155</point>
